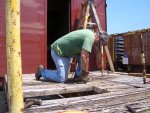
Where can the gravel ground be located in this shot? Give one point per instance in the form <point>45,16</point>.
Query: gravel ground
<point>2,101</point>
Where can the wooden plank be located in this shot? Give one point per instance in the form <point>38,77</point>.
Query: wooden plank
<point>56,90</point>
<point>97,103</point>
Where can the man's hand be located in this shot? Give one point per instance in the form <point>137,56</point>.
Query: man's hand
<point>84,73</point>
<point>104,36</point>
<point>83,78</point>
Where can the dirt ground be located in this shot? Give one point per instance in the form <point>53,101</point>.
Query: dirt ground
<point>2,102</point>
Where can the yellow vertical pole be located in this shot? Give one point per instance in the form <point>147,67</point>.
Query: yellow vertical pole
<point>14,69</point>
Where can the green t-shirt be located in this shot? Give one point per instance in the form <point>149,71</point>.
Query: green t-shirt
<point>72,43</point>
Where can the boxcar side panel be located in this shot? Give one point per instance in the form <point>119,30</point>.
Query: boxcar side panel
<point>32,35</point>
<point>132,46</point>
<point>2,39</point>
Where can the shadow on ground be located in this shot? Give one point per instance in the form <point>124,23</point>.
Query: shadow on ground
<point>2,101</point>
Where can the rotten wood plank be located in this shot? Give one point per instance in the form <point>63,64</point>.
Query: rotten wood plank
<point>99,102</point>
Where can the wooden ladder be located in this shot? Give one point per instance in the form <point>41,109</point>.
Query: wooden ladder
<point>85,21</point>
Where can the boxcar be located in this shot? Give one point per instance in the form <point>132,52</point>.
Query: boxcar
<point>42,22</point>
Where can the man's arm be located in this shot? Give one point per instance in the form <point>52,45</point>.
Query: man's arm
<point>84,60</point>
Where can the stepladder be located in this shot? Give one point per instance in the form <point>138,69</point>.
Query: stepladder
<point>89,19</point>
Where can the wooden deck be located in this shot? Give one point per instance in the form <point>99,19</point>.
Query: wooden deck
<point>115,91</point>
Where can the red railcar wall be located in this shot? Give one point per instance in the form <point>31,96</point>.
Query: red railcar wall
<point>34,34</point>
<point>2,39</point>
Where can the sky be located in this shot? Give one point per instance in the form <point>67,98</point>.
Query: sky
<point>127,15</point>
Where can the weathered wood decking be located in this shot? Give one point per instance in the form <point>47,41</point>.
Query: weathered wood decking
<point>120,90</point>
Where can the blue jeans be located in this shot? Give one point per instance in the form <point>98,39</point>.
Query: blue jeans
<point>62,65</point>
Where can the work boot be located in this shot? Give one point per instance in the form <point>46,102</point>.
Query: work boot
<point>69,81</point>
<point>38,72</point>
<point>82,78</point>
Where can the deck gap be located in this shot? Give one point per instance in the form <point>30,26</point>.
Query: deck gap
<point>70,95</point>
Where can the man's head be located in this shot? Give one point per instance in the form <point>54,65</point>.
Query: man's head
<point>101,36</point>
